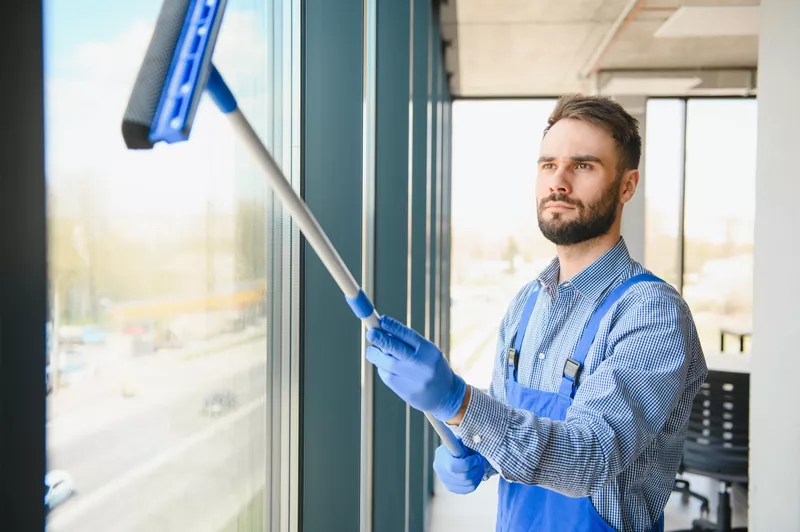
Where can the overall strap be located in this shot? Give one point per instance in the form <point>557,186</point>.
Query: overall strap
<point>513,352</point>
<point>573,366</point>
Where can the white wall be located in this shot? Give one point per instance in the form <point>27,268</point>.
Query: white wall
<point>633,213</point>
<point>775,390</point>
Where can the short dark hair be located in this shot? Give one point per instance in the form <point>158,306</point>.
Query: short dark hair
<point>607,114</point>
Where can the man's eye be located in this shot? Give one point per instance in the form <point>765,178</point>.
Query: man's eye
<point>584,166</point>
<point>548,166</point>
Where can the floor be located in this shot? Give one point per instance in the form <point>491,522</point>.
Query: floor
<point>476,511</point>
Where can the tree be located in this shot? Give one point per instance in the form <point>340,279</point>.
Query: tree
<point>510,253</point>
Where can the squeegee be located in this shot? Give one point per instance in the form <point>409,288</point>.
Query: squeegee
<point>175,71</point>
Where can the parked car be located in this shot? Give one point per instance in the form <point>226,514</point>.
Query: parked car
<point>93,335</point>
<point>219,404</point>
<point>58,487</point>
<point>48,378</point>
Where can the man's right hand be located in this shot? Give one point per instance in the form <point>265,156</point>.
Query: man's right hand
<point>459,475</point>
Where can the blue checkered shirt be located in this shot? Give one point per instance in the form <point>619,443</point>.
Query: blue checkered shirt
<point>622,439</point>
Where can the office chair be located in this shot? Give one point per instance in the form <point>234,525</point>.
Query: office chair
<point>717,444</point>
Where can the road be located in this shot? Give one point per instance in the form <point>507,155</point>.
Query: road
<point>475,327</point>
<point>155,462</point>
<point>170,466</point>
<point>475,319</point>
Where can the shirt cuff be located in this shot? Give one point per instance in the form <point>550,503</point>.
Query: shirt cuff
<point>484,425</point>
<point>488,469</point>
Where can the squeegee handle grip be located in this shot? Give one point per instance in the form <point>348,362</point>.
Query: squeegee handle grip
<point>359,302</point>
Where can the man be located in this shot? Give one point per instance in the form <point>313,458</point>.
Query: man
<point>598,361</point>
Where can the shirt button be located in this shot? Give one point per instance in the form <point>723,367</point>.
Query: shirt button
<point>541,356</point>
<point>476,439</point>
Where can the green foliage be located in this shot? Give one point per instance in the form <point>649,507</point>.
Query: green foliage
<point>95,258</point>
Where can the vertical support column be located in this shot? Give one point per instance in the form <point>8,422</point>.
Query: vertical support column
<point>331,339</point>
<point>368,256</point>
<point>23,271</point>
<point>432,181</point>
<point>633,217</point>
<point>447,114</point>
<point>438,187</point>
<point>390,482</point>
<point>419,429</point>
<point>774,394</point>
<point>293,98</point>
<point>431,331</point>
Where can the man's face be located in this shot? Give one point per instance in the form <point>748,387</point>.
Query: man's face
<point>579,191</point>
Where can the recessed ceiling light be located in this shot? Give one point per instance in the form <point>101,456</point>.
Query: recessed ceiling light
<point>619,85</point>
<point>711,21</point>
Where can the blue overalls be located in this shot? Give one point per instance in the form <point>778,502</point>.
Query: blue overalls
<point>524,508</point>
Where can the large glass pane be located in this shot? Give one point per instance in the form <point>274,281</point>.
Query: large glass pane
<point>663,181</point>
<point>719,219</point>
<point>158,409</point>
<point>496,243</point>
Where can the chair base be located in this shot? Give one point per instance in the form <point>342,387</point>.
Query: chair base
<point>704,525</point>
<point>723,523</point>
<point>683,487</point>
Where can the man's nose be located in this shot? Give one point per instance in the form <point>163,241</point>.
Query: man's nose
<point>560,182</point>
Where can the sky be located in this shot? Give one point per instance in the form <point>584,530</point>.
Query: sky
<point>495,147</point>
<point>720,165</point>
<point>70,24</point>
<point>94,50</point>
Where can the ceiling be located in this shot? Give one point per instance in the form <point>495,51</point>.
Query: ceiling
<point>529,48</point>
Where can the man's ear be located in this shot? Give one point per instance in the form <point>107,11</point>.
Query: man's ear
<point>628,184</point>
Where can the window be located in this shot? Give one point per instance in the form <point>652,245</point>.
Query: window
<point>720,217</point>
<point>663,188</point>
<point>700,210</point>
<point>497,246</point>
<point>163,265</point>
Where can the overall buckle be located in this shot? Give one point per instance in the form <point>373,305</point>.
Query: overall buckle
<point>572,368</point>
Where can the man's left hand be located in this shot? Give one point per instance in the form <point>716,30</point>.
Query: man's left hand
<point>415,369</point>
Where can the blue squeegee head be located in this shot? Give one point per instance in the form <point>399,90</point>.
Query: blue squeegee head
<point>173,74</point>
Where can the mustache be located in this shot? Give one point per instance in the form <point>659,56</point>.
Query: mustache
<point>561,198</point>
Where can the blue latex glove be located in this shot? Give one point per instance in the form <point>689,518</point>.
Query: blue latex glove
<point>459,475</point>
<point>415,369</point>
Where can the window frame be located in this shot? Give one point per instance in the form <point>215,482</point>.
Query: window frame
<point>23,273</point>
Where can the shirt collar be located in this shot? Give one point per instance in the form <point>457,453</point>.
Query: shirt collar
<point>592,281</point>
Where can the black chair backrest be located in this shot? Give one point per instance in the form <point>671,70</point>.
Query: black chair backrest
<point>717,440</point>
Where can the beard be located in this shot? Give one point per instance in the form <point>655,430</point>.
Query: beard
<point>593,220</point>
